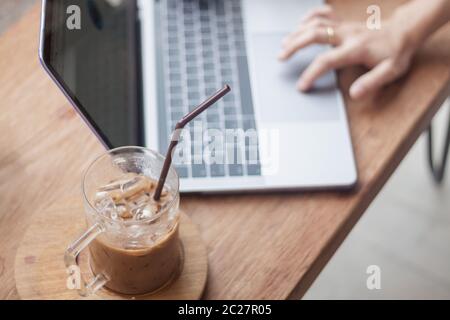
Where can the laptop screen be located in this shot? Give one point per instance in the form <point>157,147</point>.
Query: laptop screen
<point>91,48</point>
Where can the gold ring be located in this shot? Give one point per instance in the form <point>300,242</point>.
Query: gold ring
<point>331,35</point>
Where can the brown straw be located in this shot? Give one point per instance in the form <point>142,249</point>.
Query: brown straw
<point>176,135</point>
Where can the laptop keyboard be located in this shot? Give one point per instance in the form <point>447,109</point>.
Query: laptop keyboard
<point>201,47</point>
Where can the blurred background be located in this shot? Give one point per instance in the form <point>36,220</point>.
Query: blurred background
<point>406,230</point>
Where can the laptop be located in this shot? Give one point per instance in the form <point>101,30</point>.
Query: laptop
<point>133,68</point>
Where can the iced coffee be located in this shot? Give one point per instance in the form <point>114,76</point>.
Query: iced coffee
<point>145,254</point>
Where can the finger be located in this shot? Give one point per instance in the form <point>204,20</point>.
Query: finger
<point>373,80</point>
<point>325,11</point>
<point>333,59</point>
<point>312,36</point>
<point>304,27</point>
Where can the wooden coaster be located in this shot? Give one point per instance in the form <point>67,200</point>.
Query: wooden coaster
<point>40,272</point>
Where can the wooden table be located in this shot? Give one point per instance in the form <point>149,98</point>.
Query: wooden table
<point>268,246</point>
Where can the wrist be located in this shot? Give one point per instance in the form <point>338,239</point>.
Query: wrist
<point>411,28</point>
<point>418,19</point>
<point>404,35</point>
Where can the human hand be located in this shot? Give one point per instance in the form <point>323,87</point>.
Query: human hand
<point>387,52</point>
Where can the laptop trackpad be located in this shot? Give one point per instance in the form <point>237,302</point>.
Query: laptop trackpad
<point>278,100</point>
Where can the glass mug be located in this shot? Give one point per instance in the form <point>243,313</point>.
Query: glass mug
<point>131,257</point>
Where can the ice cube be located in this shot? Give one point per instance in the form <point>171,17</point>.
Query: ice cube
<point>139,199</point>
<point>132,198</point>
<point>123,211</point>
<point>148,211</point>
<point>133,232</point>
<point>123,187</point>
<point>138,184</point>
<point>118,183</point>
<point>106,205</point>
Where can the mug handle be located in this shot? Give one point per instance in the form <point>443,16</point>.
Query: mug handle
<point>85,288</point>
